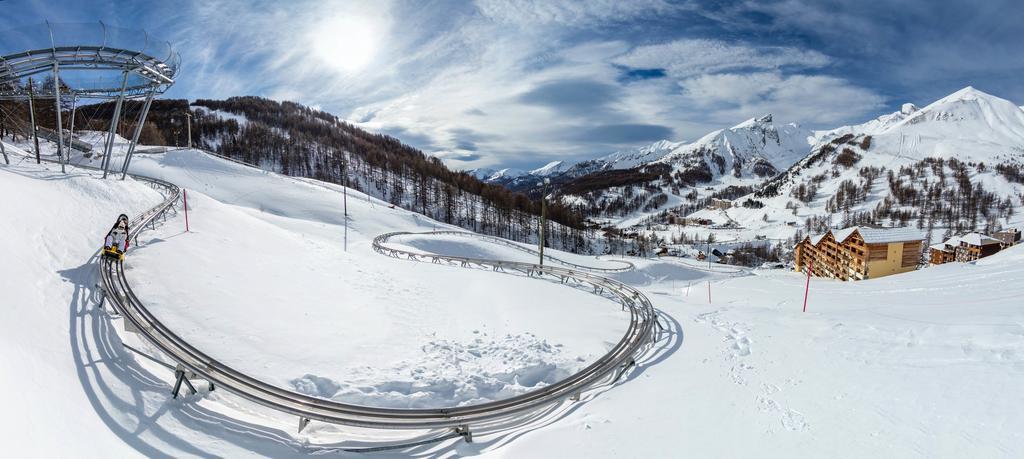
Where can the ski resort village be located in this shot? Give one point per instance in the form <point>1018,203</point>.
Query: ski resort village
<point>515,229</point>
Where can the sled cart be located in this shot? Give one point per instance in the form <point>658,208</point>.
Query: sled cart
<point>116,242</point>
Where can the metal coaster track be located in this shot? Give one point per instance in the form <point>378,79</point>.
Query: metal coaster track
<point>642,330</point>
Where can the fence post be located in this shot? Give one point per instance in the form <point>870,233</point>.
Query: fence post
<point>709,292</point>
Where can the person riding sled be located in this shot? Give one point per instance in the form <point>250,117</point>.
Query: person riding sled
<point>116,242</point>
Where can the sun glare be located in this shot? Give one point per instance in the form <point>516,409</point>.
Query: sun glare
<point>346,43</point>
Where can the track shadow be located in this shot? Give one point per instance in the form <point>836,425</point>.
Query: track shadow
<point>136,405</point>
<point>669,340</point>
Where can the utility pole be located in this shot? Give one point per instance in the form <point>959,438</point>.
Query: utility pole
<point>188,121</point>
<point>709,252</point>
<point>543,215</point>
<point>32,117</point>
<point>344,190</point>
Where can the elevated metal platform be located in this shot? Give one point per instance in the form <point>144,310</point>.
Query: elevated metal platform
<point>78,61</point>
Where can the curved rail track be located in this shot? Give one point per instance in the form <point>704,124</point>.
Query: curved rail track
<point>626,266</point>
<point>641,332</point>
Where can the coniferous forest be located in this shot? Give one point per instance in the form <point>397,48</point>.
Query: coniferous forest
<point>299,141</point>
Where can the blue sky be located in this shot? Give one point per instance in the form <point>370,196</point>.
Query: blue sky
<point>520,83</point>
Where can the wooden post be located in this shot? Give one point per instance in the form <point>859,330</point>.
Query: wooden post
<point>807,289</point>
<point>709,292</point>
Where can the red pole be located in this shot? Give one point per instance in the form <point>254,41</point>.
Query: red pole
<point>184,197</point>
<point>807,289</point>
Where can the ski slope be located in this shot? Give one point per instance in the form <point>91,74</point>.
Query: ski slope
<point>925,364</point>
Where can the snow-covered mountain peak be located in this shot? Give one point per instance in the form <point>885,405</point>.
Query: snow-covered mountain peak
<point>755,147</point>
<point>756,121</point>
<point>489,175</point>
<point>552,168</point>
<point>966,115</point>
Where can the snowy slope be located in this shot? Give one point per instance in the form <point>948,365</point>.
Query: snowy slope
<point>390,315</point>
<point>626,159</point>
<point>977,130</point>
<point>925,364</point>
<point>564,171</point>
<point>968,124</point>
<point>753,148</point>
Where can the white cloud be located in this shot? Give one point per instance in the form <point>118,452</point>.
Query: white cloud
<point>451,81</point>
<point>809,98</point>
<point>689,57</point>
<point>530,13</point>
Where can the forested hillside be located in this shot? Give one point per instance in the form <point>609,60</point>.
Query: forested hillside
<point>295,140</point>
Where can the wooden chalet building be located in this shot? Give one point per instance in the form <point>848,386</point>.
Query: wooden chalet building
<point>857,252</point>
<point>944,252</point>
<point>1009,237</point>
<point>966,248</point>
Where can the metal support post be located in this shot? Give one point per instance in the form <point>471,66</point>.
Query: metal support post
<point>135,135</point>
<point>188,120</point>
<point>465,432</point>
<point>182,378</point>
<point>109,147</point>
<point>32,117</point>
<point>71,124</point>
<point>60,123</point>
<point>543,216</point>
<point>344,188</point>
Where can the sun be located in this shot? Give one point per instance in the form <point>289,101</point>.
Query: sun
<point>346,43</point>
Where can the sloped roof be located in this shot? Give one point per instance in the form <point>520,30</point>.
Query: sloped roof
<point>871,235</point>
<point>844,233</point>
<point>978,239</point>
<point>881,235</point>
<point>950,244</point>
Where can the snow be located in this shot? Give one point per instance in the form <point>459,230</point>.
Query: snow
<point>878,235</point>
<point>239,118</point>
<point>756,138</point>
<point>552,168</point>
<point>977,239</point>
<point>923,364</point>
<point>390,319</point>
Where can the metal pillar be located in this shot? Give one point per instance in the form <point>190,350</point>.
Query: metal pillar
<point>135,135</point>
<point>181,376</point>
<point>32,117</point>
<point>188,120</point>
<point>60,123</point>
<point>344,190</point>
<point>543,216</point>
<point>109,147</point>
<point>71,124</point>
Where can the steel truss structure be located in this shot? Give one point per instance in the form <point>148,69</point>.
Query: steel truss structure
<point>86,61</point>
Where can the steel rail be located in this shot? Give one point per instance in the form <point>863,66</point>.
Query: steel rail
<point>606,370</point>
<point>627,266</point>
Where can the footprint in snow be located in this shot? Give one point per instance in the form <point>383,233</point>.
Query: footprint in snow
<point>794,421</point>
